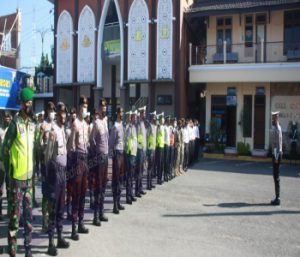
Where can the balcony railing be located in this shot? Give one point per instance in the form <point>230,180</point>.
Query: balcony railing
<point>262,52</point>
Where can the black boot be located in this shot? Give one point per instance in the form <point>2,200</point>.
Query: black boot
<point>103,218</point>
<point>52,251</point>
<point>121,207</point>
<point>74,234</point>
<point>28,253</point>
<point>96,221</point>
<point>276,201</point>
<point>82,229</point>
<point>115,209</point>
<point>61,242</point>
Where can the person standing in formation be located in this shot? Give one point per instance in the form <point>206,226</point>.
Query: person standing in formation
<point>56,157</point>
<point>160,143</point>
<point>131,152</point>
<point>141,152</point>
<point>18,153</point>
<point>116,141</point>
<point>80,137</point>
<point>151,146</point>
<point>99,141</point>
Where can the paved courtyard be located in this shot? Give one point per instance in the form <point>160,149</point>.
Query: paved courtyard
<point>218,208</point>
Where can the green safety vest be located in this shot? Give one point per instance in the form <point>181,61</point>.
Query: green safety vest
<point>21,151</point>
<point>129,145</point>
<point>160,138</point>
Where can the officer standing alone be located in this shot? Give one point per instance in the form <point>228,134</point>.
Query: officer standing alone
<point>276,147</point>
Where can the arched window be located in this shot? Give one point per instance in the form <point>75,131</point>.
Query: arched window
<point>86,46</point>
<point>64,53</point>
<point>138,41</point>
<point>164,62</point>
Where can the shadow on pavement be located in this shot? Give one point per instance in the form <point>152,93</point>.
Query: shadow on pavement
<point>224,214</point>
<point>254,168</point>
<point>237,205</point>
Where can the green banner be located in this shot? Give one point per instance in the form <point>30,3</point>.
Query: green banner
<point>112,47</point>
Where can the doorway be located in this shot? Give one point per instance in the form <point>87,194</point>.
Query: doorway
<point>231,126</point>
<point>259,121</point>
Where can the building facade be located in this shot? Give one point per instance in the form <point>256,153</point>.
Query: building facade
<point>130,52</point>
<point>10,35</point>
<point>245,62</point>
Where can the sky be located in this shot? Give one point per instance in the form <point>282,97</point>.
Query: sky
<point>34,13</point>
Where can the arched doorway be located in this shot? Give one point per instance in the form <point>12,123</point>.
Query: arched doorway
<point>110,55</point>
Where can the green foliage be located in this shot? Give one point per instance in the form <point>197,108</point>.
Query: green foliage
<point>243,148</point>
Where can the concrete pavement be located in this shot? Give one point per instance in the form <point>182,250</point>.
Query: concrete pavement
<point>219,208</point>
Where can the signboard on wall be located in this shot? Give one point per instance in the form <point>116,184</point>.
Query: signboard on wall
<point>11,81</point>
<point>289,107</point>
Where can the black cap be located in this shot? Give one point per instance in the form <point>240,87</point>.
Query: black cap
<point>120,110</point>
<point>61,107</point>
<point>83,100</point>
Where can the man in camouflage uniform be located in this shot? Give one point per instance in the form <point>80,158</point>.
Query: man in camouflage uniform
<point>56,156</point>
<point>3,176</point>
<point>18,148</point>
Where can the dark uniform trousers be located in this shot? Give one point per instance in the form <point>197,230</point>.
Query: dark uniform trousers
<point>186,156</point>
<point>117,169</point>
<point>171,161</point>
<point>191,151</point>
<point>276,174</point>
<point>131,162</point>
<point>140,159</point>
<point>79,186</point>
<point>71,165</point>
<point>57,199</point>
<point>151,167</point>
<point>21,193</point>
<point>100,182</point>
<point>166,162</point>
<point>159,163</point>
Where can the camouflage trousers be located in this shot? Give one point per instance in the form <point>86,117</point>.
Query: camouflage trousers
<point>20,195</point>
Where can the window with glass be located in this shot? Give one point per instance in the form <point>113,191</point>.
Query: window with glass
<point>291,30</point>
<point>249,31</point>
<point>224,33</point>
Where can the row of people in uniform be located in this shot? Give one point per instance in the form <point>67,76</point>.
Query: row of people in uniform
<point>73,155</point>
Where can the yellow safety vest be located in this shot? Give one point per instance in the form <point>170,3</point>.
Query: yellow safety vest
<point>160,138</point>
<point>21,152</point>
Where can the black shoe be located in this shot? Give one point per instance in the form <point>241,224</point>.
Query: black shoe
<point>96,222</point>
<point>74,234</point>
<point>82,229</point>
<point>52,251</point>
<point>149,188</point>
<point>128,201</point>
<point>28,253</point>
<point>116,211</point>
<point>121,207</point>
<point>159,182</point>
<point>153,186</point>
<point>138,195</point>
<point>143,193</point>
<point>275,202</point>
<point>133,199</point>
<point>103,218</point>
<point>62,243</point>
